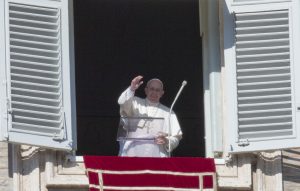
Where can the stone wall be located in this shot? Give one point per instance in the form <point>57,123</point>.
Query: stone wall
<point>291,169</point>
<point>6,180</point>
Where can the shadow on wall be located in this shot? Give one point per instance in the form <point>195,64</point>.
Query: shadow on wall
<point>291,166</point>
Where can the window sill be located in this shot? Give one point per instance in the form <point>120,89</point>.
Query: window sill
<point>72,158</point>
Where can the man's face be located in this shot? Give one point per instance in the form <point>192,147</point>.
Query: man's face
<point>154,91</point>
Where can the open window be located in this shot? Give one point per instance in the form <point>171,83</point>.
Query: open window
<point>38,96</point>
<point>262,76</point>
<point>123,39</point>
<point>37,99</point>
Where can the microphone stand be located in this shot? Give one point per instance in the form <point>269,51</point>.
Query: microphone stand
<point>169,117</point>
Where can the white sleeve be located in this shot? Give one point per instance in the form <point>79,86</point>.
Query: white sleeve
<point>125,96</point>
<point>176,133</point>
<point>174,142</point>
<point>125,102</point>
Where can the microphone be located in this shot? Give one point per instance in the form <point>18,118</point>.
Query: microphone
<point>178,93</point>
<point>169,117</point>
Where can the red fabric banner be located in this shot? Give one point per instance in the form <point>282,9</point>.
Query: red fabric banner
<point>107,173</point>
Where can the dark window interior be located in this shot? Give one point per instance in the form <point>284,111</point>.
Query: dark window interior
<point>115,40</point>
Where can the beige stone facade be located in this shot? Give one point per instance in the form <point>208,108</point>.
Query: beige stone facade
<point>6,180</point>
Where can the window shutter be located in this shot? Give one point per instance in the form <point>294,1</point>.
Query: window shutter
<point>38,64</point>
<point>264,79</point>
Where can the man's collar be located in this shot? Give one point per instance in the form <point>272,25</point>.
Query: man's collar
<point>149,103</point>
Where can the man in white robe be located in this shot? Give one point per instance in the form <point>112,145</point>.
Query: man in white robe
<point>149,107</point>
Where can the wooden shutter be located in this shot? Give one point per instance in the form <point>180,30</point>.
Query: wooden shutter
<point>38,74</point>
<point>264,79</point>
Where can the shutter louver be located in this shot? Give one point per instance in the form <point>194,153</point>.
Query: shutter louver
<point>263,67</point>
<point>35,69</point>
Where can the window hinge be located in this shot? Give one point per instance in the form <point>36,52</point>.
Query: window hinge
<point>70,157</point>
<point>9,109</point>
<point>243,143</point>
<point>61,135</point>
<point>228,159</point>
<point>5,136</point>
<point>9,112</point>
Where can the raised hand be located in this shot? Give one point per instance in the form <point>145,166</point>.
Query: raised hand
<point>136,82</point>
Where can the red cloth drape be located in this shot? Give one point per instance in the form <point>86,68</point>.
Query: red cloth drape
<point>175,172</point>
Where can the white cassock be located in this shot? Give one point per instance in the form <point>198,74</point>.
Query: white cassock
<point>132,106</point>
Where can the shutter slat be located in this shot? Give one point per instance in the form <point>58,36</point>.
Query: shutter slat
<point>265,125</point>
<point>45,72</point>
<point>263,90</point>
<point>28,8</point>
<point>31,59</point>
<point>265,111</point>
<point>286,61</point>
<point>252,85</point>
<point>35,51</point>
<point>38,106</point>
<point>264,55</point>
<point>261,20</point>
<point>36,93</point>
<point>39,121</point>
<point>29,42</point>
<point>263,29</point>
<point>262,97</point>
<point>39,113</point>
<point>34,23</point>
<point>39,64</point>
<point>34,37</point>
<point>266,118</point>
<point>45,58</point>
<point>256,35</point>
<point>263,104</point>
<point>262,48</point>
<point>263,69</point>
<point>39,86</point>
<point>33,15</point>
<point>263,43</point>
<point>44,32</point>
<point>260,43</point>
<point>40,79</point>
<point>267,134</point>
<point>262,76</point>
<point>267,14</point>
<point>26,128</point>
<point>46,93</point>
<point>264,83</point>
<point>37,100</point>
<point>264,100</point>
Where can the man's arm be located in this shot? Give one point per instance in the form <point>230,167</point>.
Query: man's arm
<point>170,143</point>
<point>176,133</point>
<point>174,142</point>
<point>126,97</point>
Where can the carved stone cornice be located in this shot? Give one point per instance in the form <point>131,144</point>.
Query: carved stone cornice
<point>28,151</point>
